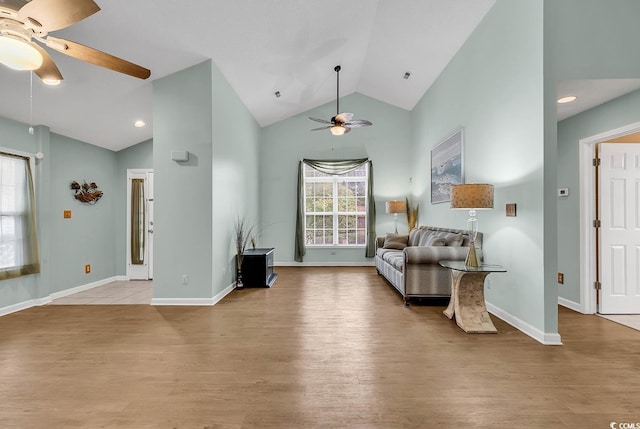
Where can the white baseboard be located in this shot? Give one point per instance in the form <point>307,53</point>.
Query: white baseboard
<point>67,292</point>
<point>570,305</point>
<point>24,305</point>
<point>195,301</point>
<point>47,299</point>
<point>549,339</point>
<point>324,264</point>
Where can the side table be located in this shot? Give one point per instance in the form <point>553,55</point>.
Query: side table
<point>257,267</point>
<point>467,296</point>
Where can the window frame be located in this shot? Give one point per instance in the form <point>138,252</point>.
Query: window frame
<point>335,180</point>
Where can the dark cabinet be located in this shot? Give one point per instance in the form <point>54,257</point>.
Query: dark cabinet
<point>257,268</point>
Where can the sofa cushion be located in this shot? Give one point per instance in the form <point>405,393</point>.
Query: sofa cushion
<point>395,259</point>
<point>414,236</point>
<point>454,240</point>
<point>395,241</point>
<point>433,240</point>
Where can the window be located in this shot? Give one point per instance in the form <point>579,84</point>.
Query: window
<point>18,246</point>
<point>335,207</point>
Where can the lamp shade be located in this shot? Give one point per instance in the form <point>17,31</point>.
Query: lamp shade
<point>472,196</point>
<point>19,54</point>
<point>396,206</point>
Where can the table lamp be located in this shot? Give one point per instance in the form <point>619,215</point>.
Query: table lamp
<point>396,207</point>
<point>472,197</point>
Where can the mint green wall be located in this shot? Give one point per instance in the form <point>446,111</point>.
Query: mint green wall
<point>138,156</point>
<point>614,114</point>
<point>493,89</point>
<point>584,40</point>
<point>14,135</point>
<point>182,113</point>
<point>236,137</point>
<point>197,201</point>
<point>284,144</point>
<point>88,237</point>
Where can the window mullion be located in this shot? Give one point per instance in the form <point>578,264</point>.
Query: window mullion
<point>335,210</point>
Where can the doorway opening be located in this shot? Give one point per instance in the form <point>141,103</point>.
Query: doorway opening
<point>140,224</point>
<point>590,263</point>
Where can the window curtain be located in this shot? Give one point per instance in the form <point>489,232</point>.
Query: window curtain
<point>334,167</point>
<point>18,234</point>
<point>137,221</point>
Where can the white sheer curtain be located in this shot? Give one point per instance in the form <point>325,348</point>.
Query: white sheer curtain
<point>18,241</point>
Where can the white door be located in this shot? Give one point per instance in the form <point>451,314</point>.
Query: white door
<point>140,225</point>
<point>619,202</point>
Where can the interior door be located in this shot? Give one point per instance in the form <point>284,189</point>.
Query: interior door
<point>619,195</point>
<point>140,224</point>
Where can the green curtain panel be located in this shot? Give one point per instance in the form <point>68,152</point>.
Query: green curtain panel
<point>18,232</point>
<point>137,221</point>
<point>334,167</point>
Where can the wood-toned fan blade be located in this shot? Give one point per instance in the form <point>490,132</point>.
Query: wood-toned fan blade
<point>357,124</point>
<point>56,14</point>
<point>99,58</point>
<point>344,117</point>
<point>48,70</point>
<point>324,121</point>
<point>346,130</point>
<point>322,128</point>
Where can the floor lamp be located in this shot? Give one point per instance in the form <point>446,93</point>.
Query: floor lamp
<point>472,197</point>
<point>396,207</point>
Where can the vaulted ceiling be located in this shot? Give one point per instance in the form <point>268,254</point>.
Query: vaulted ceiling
<point>261,46</point>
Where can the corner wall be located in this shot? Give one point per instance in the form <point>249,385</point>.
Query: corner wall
<point>493,88</point>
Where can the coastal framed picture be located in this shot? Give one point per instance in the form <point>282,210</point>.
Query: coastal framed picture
<point>447,167</point>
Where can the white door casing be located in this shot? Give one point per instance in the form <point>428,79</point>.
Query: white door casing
<point>141,271</point>
<point>619,195</point>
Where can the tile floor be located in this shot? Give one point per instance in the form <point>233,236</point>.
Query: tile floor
<point>116,293</point>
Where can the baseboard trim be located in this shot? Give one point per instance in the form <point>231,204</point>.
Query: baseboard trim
<point>14,308</point>
<point>572,305</point>
<point>548,339</point>
<point>67,292</point>
<point>324,264</point>
<point>195,301</point>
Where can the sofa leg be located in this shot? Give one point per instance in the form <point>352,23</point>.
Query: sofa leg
<point>406,301</point>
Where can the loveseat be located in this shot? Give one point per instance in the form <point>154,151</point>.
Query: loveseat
<point>410,262</point>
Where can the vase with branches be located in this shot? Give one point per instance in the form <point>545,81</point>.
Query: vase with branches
<point>242,233</point>
<point>412,215</point>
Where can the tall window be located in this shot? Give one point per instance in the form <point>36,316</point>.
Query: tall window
<point>335,207</point>
<point>18,245</point>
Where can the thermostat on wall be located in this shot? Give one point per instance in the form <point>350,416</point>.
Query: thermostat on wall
<point>563,192</point>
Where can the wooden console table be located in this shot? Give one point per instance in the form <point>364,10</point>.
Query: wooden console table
<point>467,296</point>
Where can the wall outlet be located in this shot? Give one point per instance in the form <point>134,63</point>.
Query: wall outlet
<point>561,278</point>
<point>185,279</point>
<point>87,268</point>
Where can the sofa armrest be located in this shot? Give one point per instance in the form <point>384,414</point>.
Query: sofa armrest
<point>434,254</point>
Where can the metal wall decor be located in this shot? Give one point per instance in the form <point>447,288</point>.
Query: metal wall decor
<point>86,193</point>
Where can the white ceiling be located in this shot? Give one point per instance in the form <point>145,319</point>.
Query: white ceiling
<point>261,46</point>
<point>591,93</point>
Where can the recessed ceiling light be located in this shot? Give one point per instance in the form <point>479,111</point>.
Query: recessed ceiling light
<point>567,99</point>
<point>406,75</point>
<point>139,124</point>
<point>277,93</point>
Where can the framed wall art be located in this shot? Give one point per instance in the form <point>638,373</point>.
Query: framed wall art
<point>447,167</point>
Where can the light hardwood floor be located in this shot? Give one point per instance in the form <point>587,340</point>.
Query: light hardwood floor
<point>323,348</point>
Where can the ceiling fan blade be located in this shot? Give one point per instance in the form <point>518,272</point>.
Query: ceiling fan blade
<point>99,58</point>
<point>344,117</point>
<point>54,15</point>
<point>346,130</point>
<point>357,124</point>
<point>322,128</point>
<point>48,70</point>
<point>324,121</point>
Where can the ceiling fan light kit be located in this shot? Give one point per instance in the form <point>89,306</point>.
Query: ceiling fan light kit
<point>342,122</point>
<point>18,55</point>
<point>22,27</point>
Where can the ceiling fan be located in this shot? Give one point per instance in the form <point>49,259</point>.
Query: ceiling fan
<point>22,23</point>
<point>342,122</point>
